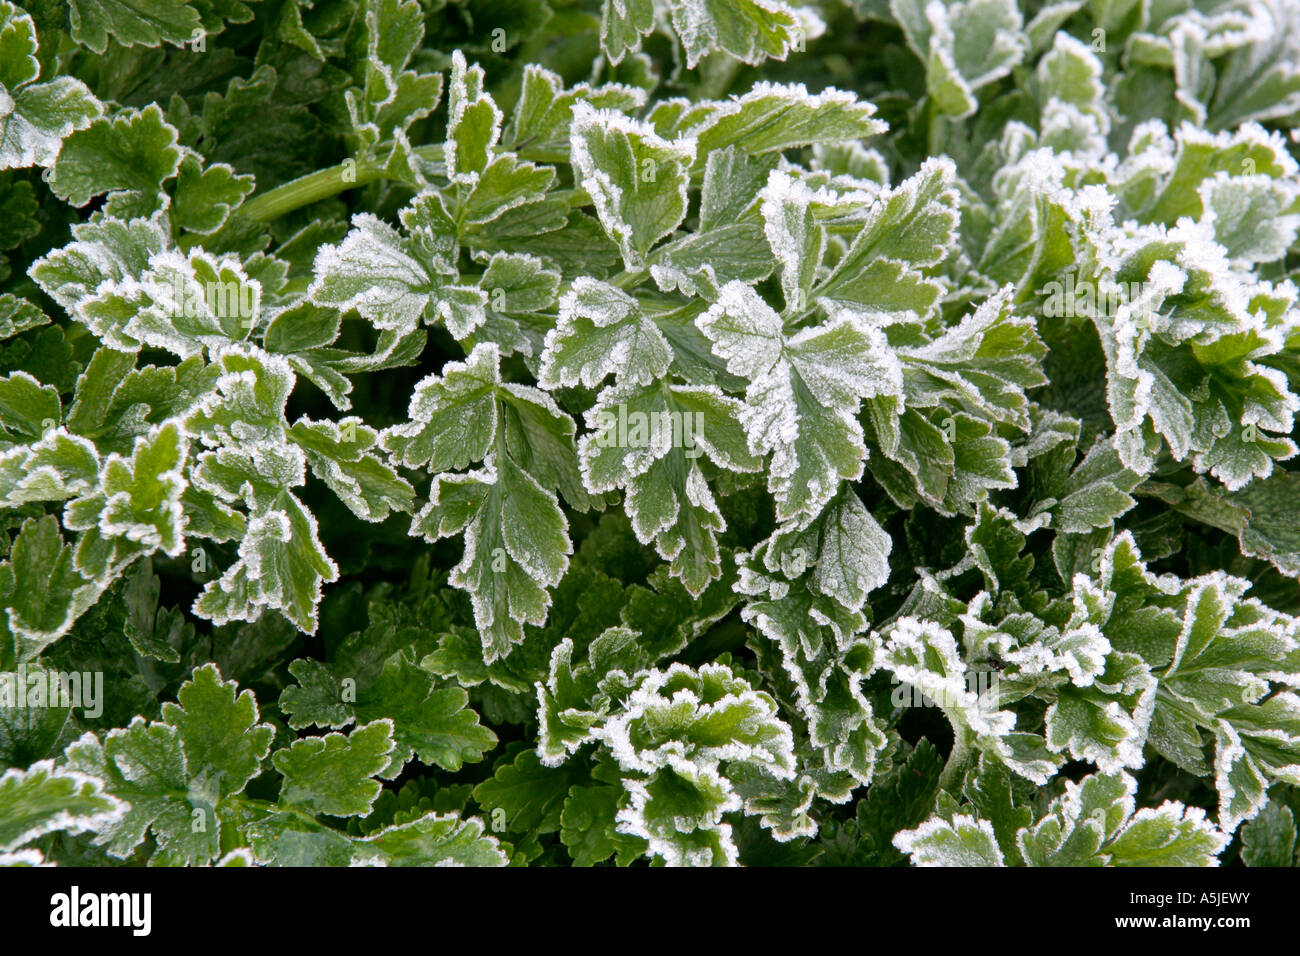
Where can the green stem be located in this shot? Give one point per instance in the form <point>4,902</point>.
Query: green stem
<point>718,76</point>
<point>628,280</point>
<point>954,770</point>
<point>321,184</point>
<point>306,190</point>
<point>325,183</point>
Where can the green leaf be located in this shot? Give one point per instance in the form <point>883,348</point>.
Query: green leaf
<point>962,841</point>
<point>206,195</point>
<point>438,725</point>
<point>134,152</point>
<point>506,183</point>
<point>218,729</point>
<point>433,840</point>
<point>803,394</point>
<point>333,774</point>
<point>373,677</point>
<point>637,179</point>
<point>601,331</point>
<point>133,22</point>
<point>1094,824</point>
<point>40,587</point>
<point>588,823</point>
<point>1270,838</point>
<point>1092,494</point>
<point>530,795</point>
<point>35,118</point>
<point>999,798</point>
<point>339,453</point>
<point>44,799</point>
<point>28,409</point>
<point>545,109</point>
<point>1268,530</point>
<point>900,798</point>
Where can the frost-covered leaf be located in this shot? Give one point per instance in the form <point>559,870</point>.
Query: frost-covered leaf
<point>965,46</point>
<point>184,779</point>
<point>133,22</point>
<point>390,97</point>
<point>1259,81</point>
<point>131,154</point>
<point>517,545</point>
<point>340,454</point>
<point>674,736</point>
<point>40,587</point>
<point>250,462</point>
<point>433,840</point>
<point>648,440</point>
<point>926,657</point>
<point>374,272</point>
<point>637,179</point>
<point>474,122</point>
<point>772,117</point>
<point>1094,823</point>
<point>602,332</point>
<point>1226,654</point>
<point>35,118</point>
<point>905,228</point>
<point>963,841</point>
<point>769,433</point>
<point>819,648</point>
<point>453,416</point>
<point>45,798</point>
<point>749,30</point>
<point>136,507</point>
<point>1270,838</point>
<point>144,765</point>
<point>333,774</point>
<point>18,315</point>
<point>516,535</point>
<point>219,730</point>
<point>803,394</point>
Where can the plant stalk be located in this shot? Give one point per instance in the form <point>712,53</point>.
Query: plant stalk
<point>321,184</point>
<point>958,760</point>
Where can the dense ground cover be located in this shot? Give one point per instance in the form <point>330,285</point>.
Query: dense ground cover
<point>686,432</point>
